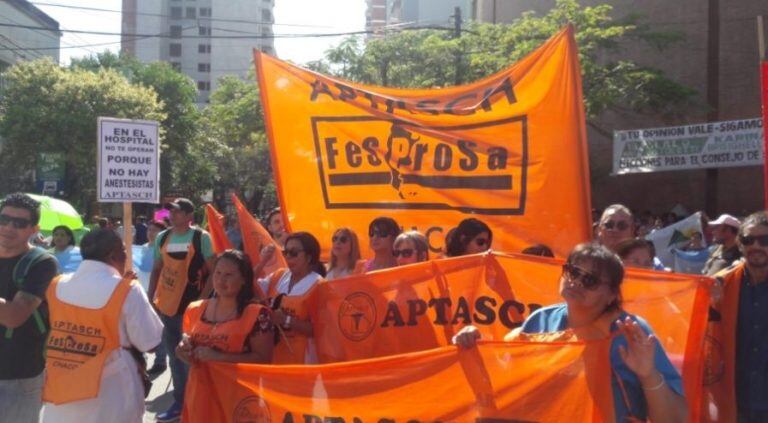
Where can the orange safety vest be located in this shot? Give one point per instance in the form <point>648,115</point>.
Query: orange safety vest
<point>292,346</point>
<point>79,343</point>
<point>229,336</point>
<point>173,280</point>
<point>719,403</point>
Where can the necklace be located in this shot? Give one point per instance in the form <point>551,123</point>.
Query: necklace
<point>227,318</point>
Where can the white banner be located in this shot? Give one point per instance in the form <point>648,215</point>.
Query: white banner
<point>676,236</point>
<point>128,161</point>
<point>707,145</point>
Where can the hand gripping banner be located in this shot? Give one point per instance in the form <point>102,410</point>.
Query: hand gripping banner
<point>509,149</point>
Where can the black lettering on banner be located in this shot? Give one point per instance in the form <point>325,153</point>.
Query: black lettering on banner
<point>469,162</point>
<point>486,314</point>
<point>370,145</point>
<point>428,234</point>
<point>393,314</point>
<point>346,92</point>
<point>504,313</point>
<point>416,308</point>
<point>443,157</point>
<point>449,107</point>
<point>441,306</point>
<point>423,105</point>
<point>462,312</point>
<point>353,155</point>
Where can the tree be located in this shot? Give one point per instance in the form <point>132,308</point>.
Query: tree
<point>49,109</point>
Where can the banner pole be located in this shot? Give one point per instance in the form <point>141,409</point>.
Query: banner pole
<point>764,96</point>
<point>128,235</point>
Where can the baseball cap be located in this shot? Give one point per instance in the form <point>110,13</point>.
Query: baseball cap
<point>726,219</point>
<point>182,204</point>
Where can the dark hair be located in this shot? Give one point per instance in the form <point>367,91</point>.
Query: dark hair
<point>243,262</point>
<point>311,248</point>
<point>755,219</point>
<point>100,244</point>
<point>271,214</point>
<point>103,222</point>
<point>159,224</point>
<point>465,232</point>
<point>626,247</point>
<point>20,200</point>
<point>69,232</point>
<point>606,264</point>
<point>386,223</point>
<point>539,250</point>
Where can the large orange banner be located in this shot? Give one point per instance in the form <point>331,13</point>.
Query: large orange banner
<point>422,306</point>
<point>498,382</point>
<point>509,149</point>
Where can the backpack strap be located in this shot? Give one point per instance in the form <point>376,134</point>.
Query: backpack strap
<point>163,238</point>
<point>32,257</point>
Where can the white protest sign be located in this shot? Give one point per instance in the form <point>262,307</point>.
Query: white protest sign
<point>128,161</point>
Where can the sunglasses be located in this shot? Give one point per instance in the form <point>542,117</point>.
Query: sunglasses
<point>481,242</point>
<point>17,222</point>
<point>342,239</point>
<point>747,240</point>
<point>620,225</point>
<point>406,253</point>
<point>292,253</point>
<point>381,233</point>
<point>587,280</point>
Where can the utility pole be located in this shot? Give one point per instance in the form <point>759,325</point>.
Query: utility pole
<point>456,35</point>
<point>713,97</point>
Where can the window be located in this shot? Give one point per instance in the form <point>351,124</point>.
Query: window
<point>176,66</point>
<point>204,30</point>
<point>203,48</point>
<point>205,12</point>
<point>175,50</point>
<point>191,13</point>
<point>204,67</point>
<point>175,13</point>
<point>204,85</point>
<point>175,31</point>
<point>266,15</point>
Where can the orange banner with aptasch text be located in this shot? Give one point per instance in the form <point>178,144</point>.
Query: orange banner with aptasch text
<point>497,382</point>
<point>509,149</point>
<point>421,306</point>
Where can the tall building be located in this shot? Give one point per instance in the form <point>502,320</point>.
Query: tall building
<point>204,39</point>
<point>17,43</point>
<point>729,70</point>
<point>393,14</point>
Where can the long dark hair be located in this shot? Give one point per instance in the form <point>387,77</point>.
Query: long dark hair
<point>605,263</point>
<point>243,262</point>
<point>311,248</point>
<point>467,230</point>
<point>68,231</point>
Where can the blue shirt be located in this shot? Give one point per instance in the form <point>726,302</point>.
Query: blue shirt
<point>752,346</point>
<point>555,318</point>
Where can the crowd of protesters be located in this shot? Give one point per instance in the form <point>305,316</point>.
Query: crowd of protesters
<point>196,306</point>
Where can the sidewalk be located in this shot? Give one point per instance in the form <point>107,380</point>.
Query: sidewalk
<point>161,396</point>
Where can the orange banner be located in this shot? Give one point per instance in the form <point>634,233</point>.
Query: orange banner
<point>255,237</point>
<point>219,240</point>
<point>422,306</point>
<point>498,382</point>
<point>509,149</point>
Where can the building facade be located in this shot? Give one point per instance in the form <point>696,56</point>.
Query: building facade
<point>733,83</point>
<point>17,44</point>
<point>393,14</point>
<point>204,39</point>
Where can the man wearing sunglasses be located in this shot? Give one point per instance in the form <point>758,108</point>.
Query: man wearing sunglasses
<point>739,328</point>
<point>25,273</point>
<point>616,226</point>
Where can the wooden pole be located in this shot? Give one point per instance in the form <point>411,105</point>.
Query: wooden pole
<point>128,235</point>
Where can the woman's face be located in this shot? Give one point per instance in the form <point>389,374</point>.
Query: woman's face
<point>381,240</point>
<point>227,279</point>
<point>480,243</point>
<point>582,287</point>
<point>405,252</point>
<point>342,244</point>
<point>295,256</point>
<point>60,239</point>
<point>639,257</point>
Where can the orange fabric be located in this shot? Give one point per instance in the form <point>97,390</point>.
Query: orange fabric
<point>509,149</point>
<point>255,237</point>
<point>219,239</point>
<point>292,346</point>
<point>720,350</point>
<point>229,336</point>
<point>422,306</point>
<point>173,280</point>
<point>79,343</point>
<point>496,382</point>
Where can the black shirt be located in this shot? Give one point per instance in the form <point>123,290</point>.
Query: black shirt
<point>21,356</point>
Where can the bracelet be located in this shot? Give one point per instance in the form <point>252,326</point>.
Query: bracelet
<point>657,387</point>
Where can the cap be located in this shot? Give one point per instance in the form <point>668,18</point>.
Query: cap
<point>182,204</point>
<point>726,219</point>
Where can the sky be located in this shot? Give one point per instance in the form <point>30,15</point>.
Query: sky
<point>313,16</point>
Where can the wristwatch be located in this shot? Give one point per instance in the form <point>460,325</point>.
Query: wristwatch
<point>287,323</point>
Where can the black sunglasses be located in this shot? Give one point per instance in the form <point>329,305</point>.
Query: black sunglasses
<point>747,240</point>
<point>381,233</point>
<point>17,222</point>
<point>292,253</point>
<point>342,239</point>
<point>406,253</point>
<point>620,225</point>
<point>587,280</point>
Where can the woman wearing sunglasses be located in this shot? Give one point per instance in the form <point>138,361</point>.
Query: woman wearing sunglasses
<point>472,236</point>
<point>644,382</point>
<point>288,291</point>
<point>345,253</point>
<point>382,233</point>
<point>410,247</point>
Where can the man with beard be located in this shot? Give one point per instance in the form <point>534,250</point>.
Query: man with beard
<point>724,231</point>
<point>738,353</point>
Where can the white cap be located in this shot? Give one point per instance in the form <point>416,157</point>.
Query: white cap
<point>726,219</point>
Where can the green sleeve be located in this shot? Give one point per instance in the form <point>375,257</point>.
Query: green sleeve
<point>206,245</point>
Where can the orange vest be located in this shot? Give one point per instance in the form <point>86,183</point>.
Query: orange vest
<point>229,336</point>
<point>173,280</point>
<point>292,346</point>
<point>719,403</point>
<point>79,343</point>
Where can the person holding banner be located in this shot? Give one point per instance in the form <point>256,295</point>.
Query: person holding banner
<point>472,236</point>
<point>289,292</point>
<point>382,232</point>
<point>410,247</point>
<point>345,253</point>
<point>644,382</point>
